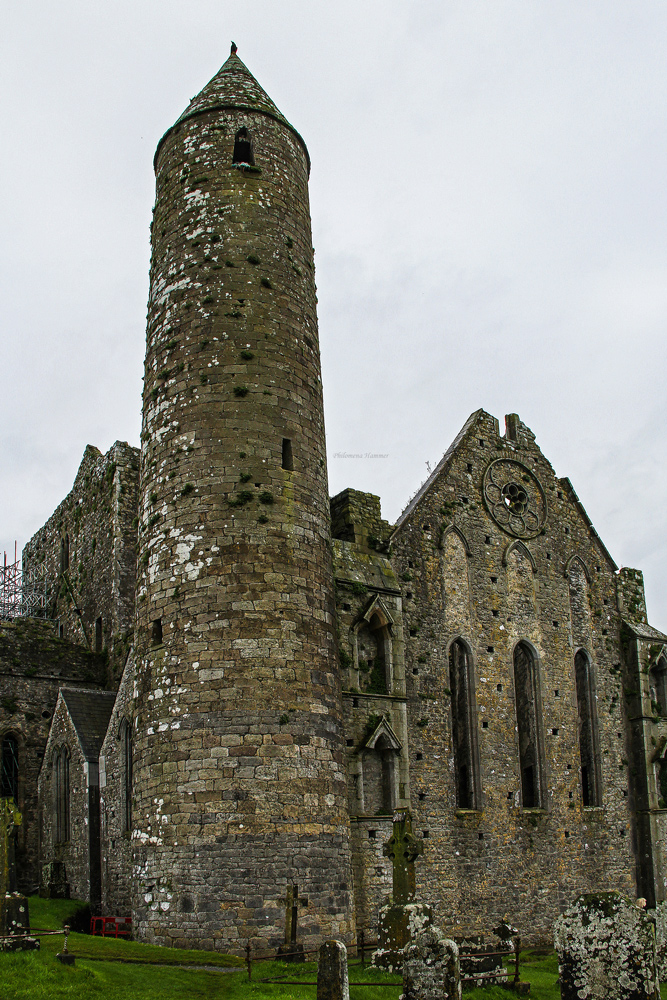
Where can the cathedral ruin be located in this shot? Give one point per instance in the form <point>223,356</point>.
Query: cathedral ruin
<point>237,680</point>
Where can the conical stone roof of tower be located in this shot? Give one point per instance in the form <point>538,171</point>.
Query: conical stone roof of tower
<point>233,87</point>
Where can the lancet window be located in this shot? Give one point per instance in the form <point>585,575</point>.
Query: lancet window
<point>525,693</point>
<point>466,771</point>
<point>587,723</point>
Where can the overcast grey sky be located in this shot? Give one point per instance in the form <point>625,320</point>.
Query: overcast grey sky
<point>489,212</point>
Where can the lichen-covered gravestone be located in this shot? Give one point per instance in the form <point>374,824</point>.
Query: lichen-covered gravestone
<point>431,967</point>
<point>661,941</point>
<point>332,981</point>
<point>606,949</point>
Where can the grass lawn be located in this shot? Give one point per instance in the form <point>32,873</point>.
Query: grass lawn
<point>100,971</point>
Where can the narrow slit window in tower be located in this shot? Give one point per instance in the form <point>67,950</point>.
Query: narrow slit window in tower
<point>156,632</point>
<point>98,635</point>
<point>126,751</point>
<point>460,682</point>
<point>525,692</point>
<point>287,460</point>
<point>9,776</point>
<point>587,730</point>
<point>243,152</point>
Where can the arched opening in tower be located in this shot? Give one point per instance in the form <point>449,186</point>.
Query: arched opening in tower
<point>243,152</point>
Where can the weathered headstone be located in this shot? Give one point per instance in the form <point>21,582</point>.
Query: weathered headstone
<point>606,949</point>
<point>14,918</point>
<point>54,884</point>
<point>292,950</point>
<point>431,967</point>
<point>332,981</point>
<point>402,919</point>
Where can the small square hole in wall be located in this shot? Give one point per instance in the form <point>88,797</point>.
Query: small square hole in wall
<point>495,614</point>
<point>469,466</point>
<point>567,530</point>
<point>350,743</point>
<point>422,796</point>
<point>372,834</point>
<point>569,767</point>
<point>415,671</point>
<point>426,527</point>
<point>555,731</point>
<point>605,601</point>
<point>494,579</point>
<point>560,495</point>
<point>409,595</point>
<point>548,555</point>
<point>619,735</point>
<point>409,564</point>
<point>509,795</point>
<point>426,834</point>
<point>489,649</point>
<point>420,756</point>
<point>355,703</point>
<point>481,442</point>
<point>625,793</point>
<point>604,631</point>
<point>347,607</point>
<point>555,624</point>
<point>621,832</point>
<point>413,631</point>
<point>499,687</point>
<point>487,539</point>
<point>485,724</point>
<point>480,836</point>
<point>597,569</point>
<point>569,795</point>
<point>567,833</point>
<point>557,693</point>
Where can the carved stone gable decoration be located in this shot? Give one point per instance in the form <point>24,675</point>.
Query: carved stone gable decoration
<point>514,498</point>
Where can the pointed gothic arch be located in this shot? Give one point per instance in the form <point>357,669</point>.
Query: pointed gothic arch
<point>657,679</point>
<point>518,546</point>
<point>453,529</point>
<point>467,780</point>
<point>587,731</point>
<point>379,754</point>
<point>527,702</point>
<point>372,648</point>
<point>576,558</point>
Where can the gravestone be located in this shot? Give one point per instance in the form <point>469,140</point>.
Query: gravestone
<point>332,981</point>
<point>14,918</point>
<point>606,949</point>
<point>402,919</point>
<point>53,883</point>
<point>292,950</point>
<point>431,967</point>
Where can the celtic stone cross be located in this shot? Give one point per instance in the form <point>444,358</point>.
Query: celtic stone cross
<point>10,818</point>
<point>403,848</point>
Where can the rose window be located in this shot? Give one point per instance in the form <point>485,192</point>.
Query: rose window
<point>514,498</point>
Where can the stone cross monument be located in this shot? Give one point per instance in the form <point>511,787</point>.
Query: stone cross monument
<point>402,918</point>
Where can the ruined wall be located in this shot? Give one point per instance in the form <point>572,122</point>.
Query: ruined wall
<point>115,832</point>
<point>501,859</point>
<point>34,663</point>
<point>88,546</point>
<point>74,852</point>
<point>371,643</point>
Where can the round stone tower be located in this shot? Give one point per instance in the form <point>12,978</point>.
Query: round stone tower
<point>239,780</point>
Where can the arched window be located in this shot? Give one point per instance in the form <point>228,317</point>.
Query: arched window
<point>590,784</point>
<point>525,693</point>
<point>9,775</point>
<point>662,783</point>
<point>372,642</point>
<point>243,152</point>
<point>61,794</point>
<point>126,755</point>
<point>658,687</point>
<point>463,726</point>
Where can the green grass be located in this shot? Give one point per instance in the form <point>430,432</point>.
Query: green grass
<point>105,969</point>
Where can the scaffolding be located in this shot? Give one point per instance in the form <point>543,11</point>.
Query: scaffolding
<point>23,595</point>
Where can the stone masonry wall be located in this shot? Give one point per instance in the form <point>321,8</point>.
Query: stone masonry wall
<point>240,781</point>
<point>116,838</point>
<point>94,531</point>
<point>471,578</point>
<point>34,663</point>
